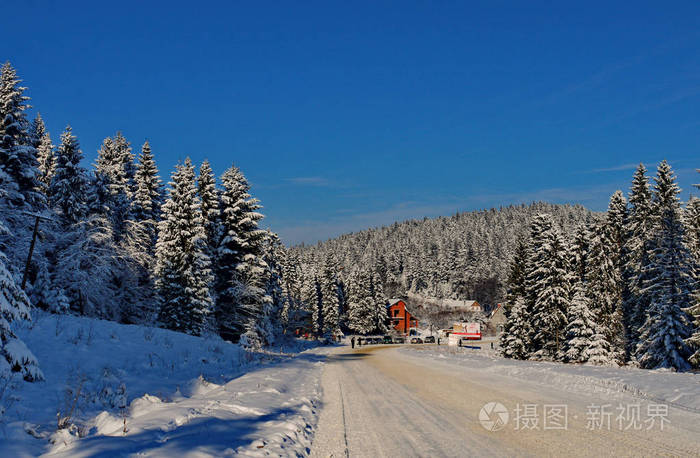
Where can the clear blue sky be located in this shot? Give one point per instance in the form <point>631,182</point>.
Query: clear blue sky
<point>346,115</point>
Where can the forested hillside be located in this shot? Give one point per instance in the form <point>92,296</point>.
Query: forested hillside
<point>465,256</point>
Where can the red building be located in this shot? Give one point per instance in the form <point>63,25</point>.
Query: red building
<point>401,319</point>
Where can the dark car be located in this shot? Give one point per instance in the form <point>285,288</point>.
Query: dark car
<point>399,340</point>
<point>416,340</point>
<point>388,340</point>
<point>376,340</point>
<point>429,339</point>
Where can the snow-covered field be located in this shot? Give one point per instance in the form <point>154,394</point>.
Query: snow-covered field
<point>124,389</point>
<point>680,390</point>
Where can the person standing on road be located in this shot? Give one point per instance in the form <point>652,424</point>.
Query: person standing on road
<point>352,341</point>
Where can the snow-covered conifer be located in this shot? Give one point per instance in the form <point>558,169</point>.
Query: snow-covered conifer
<point>206,185</point>
<point>581,328</point>
<point>68,184</point>
<point>17,153</point>
<point>240,267</point>
<point>183,269</point>
<point>548,284</point>
<point>638,246</point>
<point>14,306</point>
<point>670,283</point>
<point>515,343</point>
<point>331,299</point>
<point>599,352</point>
<point>148,193</point>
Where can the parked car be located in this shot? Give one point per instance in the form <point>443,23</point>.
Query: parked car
<point>416,340</point>
<point>429,339</point>
<point>399,340</point>
<point>376,340</point>
<point>388,340</point>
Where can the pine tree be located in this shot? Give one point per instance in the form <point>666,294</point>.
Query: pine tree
<point>670,283</point>
<point>637,248</point>
<point>548,287</point>
<point>240,267</point>
<point>210,204</point>
<point>581,328</point>
<point>69,182</point>
<point>17,153</point>
<point>183,269</point>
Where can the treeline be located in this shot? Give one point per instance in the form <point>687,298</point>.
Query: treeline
<point>114,243</point>
<point>622,290</point>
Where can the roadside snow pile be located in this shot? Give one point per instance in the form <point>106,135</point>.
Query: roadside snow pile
<point>680,390</point>
<point>115,389</point>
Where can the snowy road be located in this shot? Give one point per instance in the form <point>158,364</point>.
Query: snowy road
<point>380,401</point>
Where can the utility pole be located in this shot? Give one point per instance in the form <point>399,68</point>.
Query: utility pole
<point>31,246</point>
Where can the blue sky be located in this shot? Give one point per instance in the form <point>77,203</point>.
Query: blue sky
<point>345,115</point>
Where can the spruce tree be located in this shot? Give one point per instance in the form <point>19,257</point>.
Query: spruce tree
<point>331,299</point>
<point>379,301</point>
<point>548,287</point>
<point>515,342</point>
<point>580,252</point>
<point>17,153</point>
<point>148,193</point>
<point>240,267</point>
<point>670,283</point>
<point>209,195</point>
<point>114,166</point>
<point>183,268</point>
<point>605,286</point>
<point>599,351</point>
<point>14,306</point>
<point>581,328</point>
<point>361,313</point>
<point>69,183</point>
<point>514,339</point>
<point>638,246</point>
<point>37,130</point>
<point>47,162</point>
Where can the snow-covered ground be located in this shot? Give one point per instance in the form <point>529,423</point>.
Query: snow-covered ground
<point>680,390</point>
<point>127,389</point>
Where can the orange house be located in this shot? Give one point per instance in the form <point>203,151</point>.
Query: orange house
<point>401,319</point>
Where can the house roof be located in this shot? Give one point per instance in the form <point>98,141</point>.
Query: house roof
<point>394,301</point>
<point>493,313</point>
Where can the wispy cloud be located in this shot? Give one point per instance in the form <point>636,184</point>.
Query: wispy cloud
<point>615,168</point>
<point>309,181</point>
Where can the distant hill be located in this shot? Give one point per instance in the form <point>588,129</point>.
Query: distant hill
<point>464,256</point>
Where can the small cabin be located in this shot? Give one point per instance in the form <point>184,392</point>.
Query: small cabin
<point>400,318</point>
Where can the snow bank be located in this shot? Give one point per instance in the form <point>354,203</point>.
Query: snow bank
<point>680,390</point>
<point>132,389</point>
